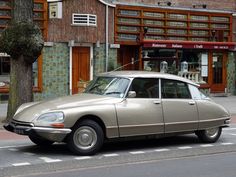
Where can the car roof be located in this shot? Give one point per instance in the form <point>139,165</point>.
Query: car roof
<point>146,74</point>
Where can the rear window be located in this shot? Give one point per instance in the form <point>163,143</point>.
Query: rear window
<point>174,89</point>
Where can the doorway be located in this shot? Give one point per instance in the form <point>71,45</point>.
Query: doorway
<point>218,72</point>
<point>80,68</point>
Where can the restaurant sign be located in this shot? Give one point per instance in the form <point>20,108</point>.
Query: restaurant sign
<point>191,45</point>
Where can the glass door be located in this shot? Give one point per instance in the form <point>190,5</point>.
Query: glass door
<point>218,72</point>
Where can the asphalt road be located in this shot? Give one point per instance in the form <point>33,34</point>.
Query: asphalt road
<point>182,156</point>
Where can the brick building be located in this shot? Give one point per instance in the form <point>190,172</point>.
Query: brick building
<point>193,39</point>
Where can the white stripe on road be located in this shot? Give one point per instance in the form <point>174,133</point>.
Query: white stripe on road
<point>110,155</point>
<point>234,134</point>
<point>29,153</point>
<point>13,149</point>
<point>49,160</point>
<point>7,147</point>
<point>185,147</point>
<point>206,145</point>
<point>161,150</point>
<point>83,158</point>
<point>230,129</point>
<point>137,152</point>
<point>21,164</point>
<point>227,143</point>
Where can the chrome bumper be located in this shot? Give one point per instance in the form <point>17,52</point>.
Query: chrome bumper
<point>50,133</point>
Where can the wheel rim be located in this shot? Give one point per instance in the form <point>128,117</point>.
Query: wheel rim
<point>212,133</point>
<point>85,138</point>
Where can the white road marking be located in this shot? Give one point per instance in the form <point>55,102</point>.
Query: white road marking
<point>7,147</point>
<point>227,143</point>
<point>206,145</point>
<point>234,134</point>
<point>83,158</point>
<point>13,149</point>
<point>161,150</point>
<point>21,164</point>
<point>49,160</point>
<point>29,153</point>
<point>185,147</point>
<point>137,152</point>
<point>110,155</point>
<point>230,129</point>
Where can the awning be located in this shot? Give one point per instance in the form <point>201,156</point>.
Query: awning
<point>189,45</point>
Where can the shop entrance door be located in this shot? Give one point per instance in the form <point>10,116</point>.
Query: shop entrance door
<point>218,72</point>
<point>80,68</point>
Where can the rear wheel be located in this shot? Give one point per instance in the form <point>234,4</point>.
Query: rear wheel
<point>86,138</point>
<point>40,141</point>
<point>209,135</point>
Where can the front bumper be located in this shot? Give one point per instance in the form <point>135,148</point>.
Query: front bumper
<point>49,133</point>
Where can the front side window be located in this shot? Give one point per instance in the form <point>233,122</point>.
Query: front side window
<point>174,89</point>
<point>145,87</point>
<point>110,86</point>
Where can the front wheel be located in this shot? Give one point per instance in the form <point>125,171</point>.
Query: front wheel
<point>209,135</point>
<point>86,138</point>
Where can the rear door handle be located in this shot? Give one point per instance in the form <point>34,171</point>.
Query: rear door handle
<point>157,102</point>
<point>191,102</point>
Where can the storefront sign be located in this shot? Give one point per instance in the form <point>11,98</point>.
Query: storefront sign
<point>190,45</point>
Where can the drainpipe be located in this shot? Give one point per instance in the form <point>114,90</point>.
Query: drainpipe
<point>71,44</point>
<point>106,38</point>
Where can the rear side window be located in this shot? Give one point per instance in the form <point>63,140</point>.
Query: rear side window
<point>145,87</point>
<point>174,89</point>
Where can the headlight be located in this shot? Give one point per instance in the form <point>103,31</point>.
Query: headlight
<point>52,117</point>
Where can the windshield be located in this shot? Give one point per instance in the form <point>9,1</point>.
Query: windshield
<point>110,86</point>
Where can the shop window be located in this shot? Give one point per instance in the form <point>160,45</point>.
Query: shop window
<point>5,73</point>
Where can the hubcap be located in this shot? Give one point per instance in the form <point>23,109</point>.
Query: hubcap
<point>212,133</point>
<point>85,137</point>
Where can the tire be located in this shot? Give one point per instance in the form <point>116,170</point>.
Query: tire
<point>86,138</point>
<point>40,141</point>
<point>209,135</point>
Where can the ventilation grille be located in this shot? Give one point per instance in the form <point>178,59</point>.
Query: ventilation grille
<point>84,19</point>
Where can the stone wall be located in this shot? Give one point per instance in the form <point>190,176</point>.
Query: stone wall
<point>100,59</point>
<point>231,73</point>
<point>55,72</point>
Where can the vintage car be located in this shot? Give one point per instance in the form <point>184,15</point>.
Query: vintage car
<point>122,104</point>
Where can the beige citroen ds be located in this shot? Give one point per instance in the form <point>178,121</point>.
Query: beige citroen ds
<point>122,104</point>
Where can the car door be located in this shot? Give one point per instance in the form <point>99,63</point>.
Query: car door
<point>179,109</point>
<point>142,114</point>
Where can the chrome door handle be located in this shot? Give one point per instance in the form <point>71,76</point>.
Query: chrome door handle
<point>191,103</point>
<point>157,102</point>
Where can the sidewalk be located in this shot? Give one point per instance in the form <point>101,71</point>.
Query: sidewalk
<point>228,102</point>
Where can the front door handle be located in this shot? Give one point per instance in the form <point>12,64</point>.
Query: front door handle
<point>191,103</point>
<point>157,102</point>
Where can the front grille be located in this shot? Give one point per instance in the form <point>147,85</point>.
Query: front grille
<point>20,123</point>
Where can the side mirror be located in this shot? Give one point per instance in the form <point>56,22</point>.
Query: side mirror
<point>131,94</point>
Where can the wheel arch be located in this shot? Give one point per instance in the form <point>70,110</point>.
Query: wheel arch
<point>94,118</point>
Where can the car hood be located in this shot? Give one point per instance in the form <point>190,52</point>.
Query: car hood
<point>29,111</point>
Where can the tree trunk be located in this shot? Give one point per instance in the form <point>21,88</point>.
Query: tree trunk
<point>20,86</point>
<point>23,10</point>
<point>21,82</point>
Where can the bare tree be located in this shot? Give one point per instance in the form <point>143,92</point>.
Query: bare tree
<point>23,41</point>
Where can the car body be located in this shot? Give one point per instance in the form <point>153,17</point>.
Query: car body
<point>122,104</point>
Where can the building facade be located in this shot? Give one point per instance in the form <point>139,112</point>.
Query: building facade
<point>87,37</point>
